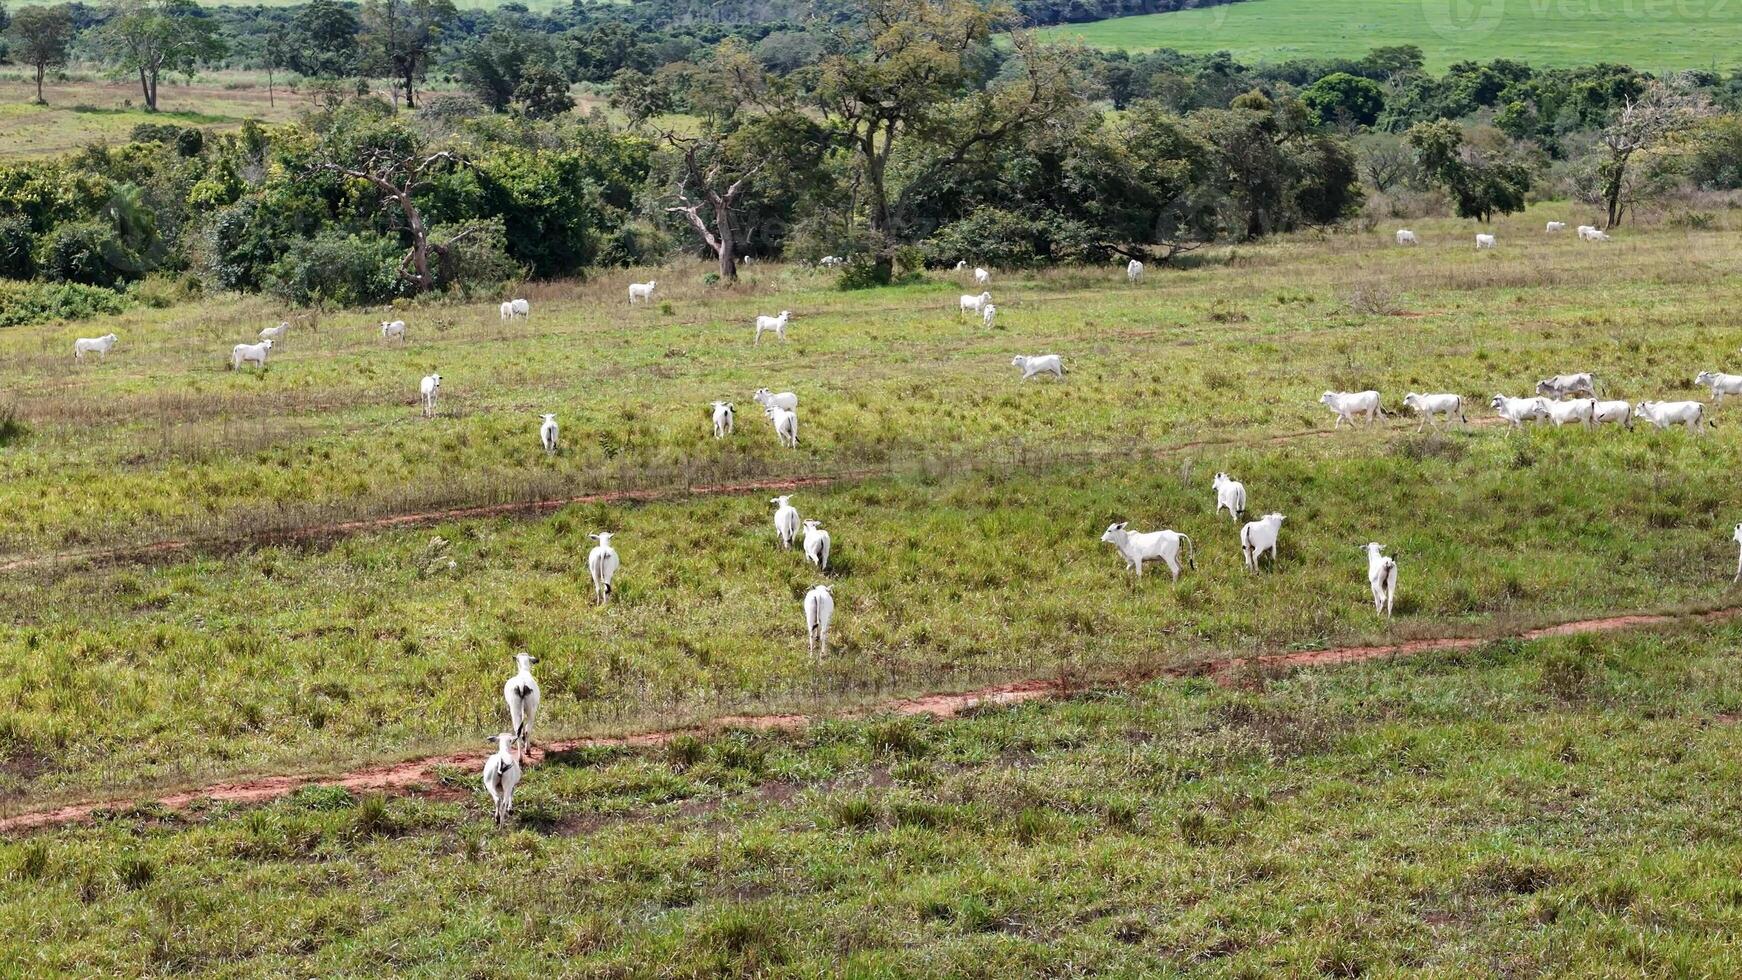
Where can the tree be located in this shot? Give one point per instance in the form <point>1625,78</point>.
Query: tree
<point>1342,98</point>
<point>323,42</point>
<point>149,38</point>
<point>40,37</point>
<point>394,162</point>
<point>401,37</point>
<point>903,74</point>
<point>639,96</point>
<point>1662,115</point>
<point>1481,184</point>
<point>543,92</point>
<point>1385,161</point>
<point>708,172</point>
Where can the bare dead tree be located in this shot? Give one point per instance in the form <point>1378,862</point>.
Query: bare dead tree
<point>398,179</point>
<point>705,178</point>
<point>1662,114</point>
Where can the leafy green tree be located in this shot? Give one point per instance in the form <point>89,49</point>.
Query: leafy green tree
<point>913,68</point>
<point>41,37</point>
<point>1480,184</point>
<point>640,96</point>
<point>1342,98</point>
<point>150,38</point>
<point>543,92</point>
<point>400,39</point>
<point>323,40</point>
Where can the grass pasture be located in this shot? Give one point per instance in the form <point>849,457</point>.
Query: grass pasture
<point>1651,35</point>
<point>1559,806</point>
<point>1565,807</point>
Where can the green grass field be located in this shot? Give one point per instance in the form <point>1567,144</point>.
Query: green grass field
<point>1651,35</point>
<point>1443,816</point>
<point>1559,808</point>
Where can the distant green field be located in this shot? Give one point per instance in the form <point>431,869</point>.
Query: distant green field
<point>1649,34</point>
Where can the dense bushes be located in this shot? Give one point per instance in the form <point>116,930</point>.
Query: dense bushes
<point>338,268</point>
<point>32,302</point>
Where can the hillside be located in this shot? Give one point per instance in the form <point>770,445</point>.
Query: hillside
<point>1648,37</point>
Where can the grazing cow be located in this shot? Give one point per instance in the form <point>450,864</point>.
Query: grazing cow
<point>1382,576</point>
<point>1406,237</point>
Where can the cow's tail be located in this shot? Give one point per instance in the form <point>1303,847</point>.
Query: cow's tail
<point>1191,552</point>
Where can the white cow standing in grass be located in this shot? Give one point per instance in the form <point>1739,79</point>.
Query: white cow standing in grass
<point>1139,547</point>
<point>1382,577</point>
<point>249,353</point>
<point>602,563</point>
<point>1133,271</point>
<point>1349,404</point>
<point>1231,494</point>
<point>642,291</point>
<point>1519,410</point>
<point>1259,536</point>
<point>547,433</point>
<point>1665,414</point>
<point>1721,384</point>
<point>1485,241</point>
<point>427,390</point>
<point>102,345</point>
<point>723,419</point>
<point>776,324</point>
<point>393,330</point>
<point>819,610</point>
<point>785,520</point>
<point>1555,226</point>
<point>275,333</point>
<point>817,543</point>
<point>973,304</point>
<point>516,309</point>
<point>521,694</point>
<point>501,774</point>
<point>1406,237</point>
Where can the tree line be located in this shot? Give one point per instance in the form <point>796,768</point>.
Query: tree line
<point>919,132</point>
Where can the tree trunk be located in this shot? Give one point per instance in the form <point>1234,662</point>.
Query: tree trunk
<point>269,100</point>
<point>40,71</point>
<point>410,85</point>
<point>145,92</point>
<point>728,243</point>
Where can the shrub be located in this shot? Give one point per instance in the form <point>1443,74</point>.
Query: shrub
<point>88,252</point>
<point>338,269</point>
<point>16,240</point>
<point>34,302</point>
<point>863,272</point>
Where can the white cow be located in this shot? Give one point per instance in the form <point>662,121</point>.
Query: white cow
<point>988,316</point>
<point>768,399</point>
<point>1721,384</point>
<point>1665,414</point>
<point>521,693</point>
<point>982,277</point>
<point>1613,413</point>
<point>249,353</point>
<point>602,565</point>
<point>1590,234</point>
<point>427,389</point>
<point>785,425</point>
<point>777,324</point>
<point>1406,237</point>
<point>501,773</point>
<point>1382,577</point>
<point>785,520</point>
<point>1348,404</point>
<point>642,291</point>
<point>275,333</point>
<point>1519,410</point>
<point>1577,410</point>
<point>816,544</point>
<point>1230,493</point>
<point>1038,364</point>
<point>1133,271</point>
<point>393,330</point>
<point>1427,406</point>
<point>1484,241</point>
<point>819,609</point>
<point>722,419</point>
<point>516,309</point>
<point>1258,536</point>
<point>1736,536</point>
<point>973,304</point>
<point>1555,226</point>
<point>102,345</point>
<point>1562,385</point>
<point>547,433</point>
<point>1139,547</point>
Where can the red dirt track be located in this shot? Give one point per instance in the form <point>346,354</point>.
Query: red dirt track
<point>415,774</point>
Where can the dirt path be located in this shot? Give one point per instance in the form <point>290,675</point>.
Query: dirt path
<point>323,531</point>
<point>419,774</point>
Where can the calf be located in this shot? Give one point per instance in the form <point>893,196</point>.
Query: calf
<point>1427,406</point>
<point>1348,404</point>
<point>1382,576</point>
<point>1258,536</point>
